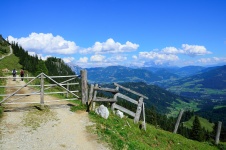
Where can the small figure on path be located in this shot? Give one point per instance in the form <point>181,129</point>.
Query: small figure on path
<point>14,74</point>
<point>22,74</point>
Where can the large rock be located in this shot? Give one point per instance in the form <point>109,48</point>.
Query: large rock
<point>119,113</point>
<point>102,111</point>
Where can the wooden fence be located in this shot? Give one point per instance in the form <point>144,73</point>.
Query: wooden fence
<point>42,86</point>
<point>93,98</point>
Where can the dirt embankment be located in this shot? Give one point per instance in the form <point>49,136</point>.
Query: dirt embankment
<point>24,127</point>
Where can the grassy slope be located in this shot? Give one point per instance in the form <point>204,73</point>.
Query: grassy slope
<point>123,136</point>
<point>176,107</point>
<point>10,62</point>
<point>204,123</point>
<point>4,50</point>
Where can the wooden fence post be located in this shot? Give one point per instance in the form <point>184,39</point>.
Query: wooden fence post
<point>217,139</point>
<point>68,89</point>
<point>139,108</point>
<point>94,98</point>
<point>91,93</point>
<point>84,86</point>
<point>144,122</point>
<point>90,97</point>
<point>42,91</point>
<point>178,121</point>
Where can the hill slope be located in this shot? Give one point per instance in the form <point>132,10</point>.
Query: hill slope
<point>124,134</point>
<point>164,101</point>
<point>210,84</point>
<point>120,74</point>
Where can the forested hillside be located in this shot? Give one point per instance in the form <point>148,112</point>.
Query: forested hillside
<point>51,67</point>
<point>162,100</point>
<point>160,104</point>
<point>4,49</point>
<point>211,84</point>
<point>120,74</point>
<point>33,64</point>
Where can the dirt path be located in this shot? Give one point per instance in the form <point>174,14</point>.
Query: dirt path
<point>11,51</point>
<point>24,127</point>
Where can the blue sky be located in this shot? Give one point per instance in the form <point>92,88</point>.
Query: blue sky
<point>94,33</point>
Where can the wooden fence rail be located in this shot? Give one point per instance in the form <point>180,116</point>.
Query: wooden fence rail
<point>42,86</point>
<point>93,98</point>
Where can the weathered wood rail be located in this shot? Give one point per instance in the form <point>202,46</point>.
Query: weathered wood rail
<point>93,98</point>
<point>43,87</point>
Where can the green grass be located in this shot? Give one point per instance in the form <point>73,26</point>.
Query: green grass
<point>2,91</point>
<point>78,106</point>
<point>9,64</point>
<point>4,50</point>
<point>219,106</point>
<point>176,107</point>
<point>120,135</point>
<point>204,123</point>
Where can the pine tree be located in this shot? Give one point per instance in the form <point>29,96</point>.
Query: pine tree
<point>196,132</point>
<point>41,67</point>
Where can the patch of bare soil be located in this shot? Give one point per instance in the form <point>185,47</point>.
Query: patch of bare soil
<point>26,127</point>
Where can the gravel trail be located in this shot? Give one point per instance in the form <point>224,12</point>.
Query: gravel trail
<point>23,127</point>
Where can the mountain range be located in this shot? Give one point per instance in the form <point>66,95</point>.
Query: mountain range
<point>190,81</point>
<point>210,83</point>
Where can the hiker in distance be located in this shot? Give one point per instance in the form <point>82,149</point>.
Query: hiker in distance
<point>14,74</point>
<point>22,74</point>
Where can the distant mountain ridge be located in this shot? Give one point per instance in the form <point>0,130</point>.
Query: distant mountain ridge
<point>144,74</point>
<point>190,81</point>
<point>120,74</point>
<point>163,100</point>
<point>210,83</point>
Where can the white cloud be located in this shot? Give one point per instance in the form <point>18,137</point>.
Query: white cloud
<point>194,50</point>
<point>97,58</point>
<point>83,60</point>
<point>117,58</point>
<point>170,50</point>
<point>46,43</point>
<point>135,57</point>
<point>39,55</point>
<point>68,59</point>
<point>110,46</point>
<point>204,60</point>
<point>32,53</point>
<point>158,58</point>
<point>212,60</point>
<point>191,50</point>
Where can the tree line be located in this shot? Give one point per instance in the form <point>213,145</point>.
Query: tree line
<point>52,66</point>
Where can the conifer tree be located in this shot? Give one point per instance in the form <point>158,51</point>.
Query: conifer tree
<point>41,67</point>
<point>196,132</point>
